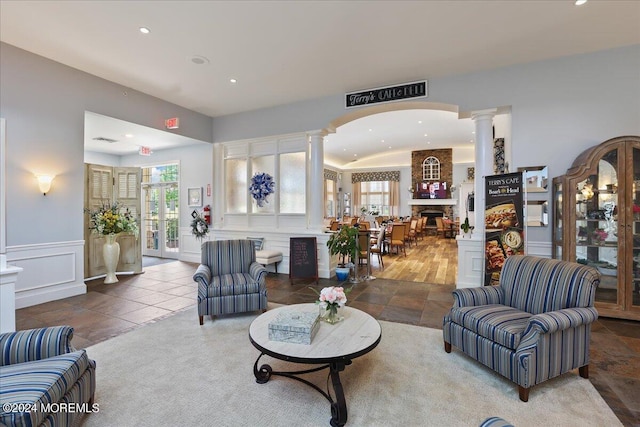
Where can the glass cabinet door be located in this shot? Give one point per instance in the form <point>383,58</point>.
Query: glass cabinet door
<point>597,225</point>
<point>635,229</point>
<point>557,220</point>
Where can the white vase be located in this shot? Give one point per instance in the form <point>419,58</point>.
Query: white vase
<point>111,255</point>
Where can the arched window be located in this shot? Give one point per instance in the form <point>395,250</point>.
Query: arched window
<point>431,169</point>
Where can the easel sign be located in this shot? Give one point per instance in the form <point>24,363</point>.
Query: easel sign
<point>303,258</point>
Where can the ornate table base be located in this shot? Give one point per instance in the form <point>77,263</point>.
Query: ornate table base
<point>338,406</point>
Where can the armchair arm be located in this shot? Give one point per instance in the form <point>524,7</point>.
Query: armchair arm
<point>202,274</point>
<point>258,272</point>
<point>553,321</point>
<point>483,295</point>
<point>35,344</point>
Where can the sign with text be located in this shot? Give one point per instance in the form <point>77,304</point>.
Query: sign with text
<point>386,94</point>
<point>172,123</point>
<point>303,258</point>
<point>504,223</point>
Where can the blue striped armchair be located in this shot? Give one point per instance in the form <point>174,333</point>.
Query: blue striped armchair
<point>229,279</point>
<point>533,326</point>
<point>44,381</point>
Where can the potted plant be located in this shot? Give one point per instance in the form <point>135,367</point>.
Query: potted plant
<point>466,228</point>
<point>345,244</point>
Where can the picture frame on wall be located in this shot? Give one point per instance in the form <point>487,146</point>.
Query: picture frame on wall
<point>194,197</point>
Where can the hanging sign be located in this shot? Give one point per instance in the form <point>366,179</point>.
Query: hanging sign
<point>386,94</point>
<point>145,151</point>
<point>172,123</point>
<point>503,221</point>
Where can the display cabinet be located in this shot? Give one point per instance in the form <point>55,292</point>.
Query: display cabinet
<point>596,221</point>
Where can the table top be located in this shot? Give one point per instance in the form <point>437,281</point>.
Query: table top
<point>356,335</point>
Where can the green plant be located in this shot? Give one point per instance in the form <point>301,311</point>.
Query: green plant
<point>465,226</point>
<point>344,243</point>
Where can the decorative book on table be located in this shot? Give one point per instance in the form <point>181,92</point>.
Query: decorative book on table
<point>294,327</point>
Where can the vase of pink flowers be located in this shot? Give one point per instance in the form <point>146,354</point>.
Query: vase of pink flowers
<point>329,300</point>
<point>599,236</point>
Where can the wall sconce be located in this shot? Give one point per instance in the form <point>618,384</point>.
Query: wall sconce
<point>44,182</point>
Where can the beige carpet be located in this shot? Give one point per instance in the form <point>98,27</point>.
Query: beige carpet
<point>175,372</point>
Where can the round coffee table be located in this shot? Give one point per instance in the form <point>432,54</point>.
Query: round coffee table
<point>333,346</point>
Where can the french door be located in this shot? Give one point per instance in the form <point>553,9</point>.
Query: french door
<point>160,220</point>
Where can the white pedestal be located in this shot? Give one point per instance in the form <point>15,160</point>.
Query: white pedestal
<point>8,277</point>
<point>470,261</point>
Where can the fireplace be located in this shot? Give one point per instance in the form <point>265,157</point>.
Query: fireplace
<point>431,215</point>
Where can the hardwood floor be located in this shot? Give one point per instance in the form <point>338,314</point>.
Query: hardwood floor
<point>414,290</point>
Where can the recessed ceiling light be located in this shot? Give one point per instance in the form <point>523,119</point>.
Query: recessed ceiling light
<point>199,59</point>
<point>419,121</point>
<point>474,132</point>
<point>128,135</point>
<point>370,130</point>
<point>383,140</point>
<point>425,134</point>
<point>355,155</point>
<point>428,142</point>
<point>389,147</point>
<point>580,2</point>
<point>145,30</point>
<point>344,149</point>
<point>233,81</point>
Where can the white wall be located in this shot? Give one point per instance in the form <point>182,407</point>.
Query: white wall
<point>101,159</point>
<point>44,104</point>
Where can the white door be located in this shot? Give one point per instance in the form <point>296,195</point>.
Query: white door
<point>160,218</point>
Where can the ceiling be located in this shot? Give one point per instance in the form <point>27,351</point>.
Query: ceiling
<point>281,52</point>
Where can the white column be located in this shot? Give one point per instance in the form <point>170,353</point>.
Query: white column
<point>316,180</point>
<point>484,162</point>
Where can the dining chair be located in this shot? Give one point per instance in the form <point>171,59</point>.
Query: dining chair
<point>377,247</point>
<point>397,239</point>
<point>413,233</point>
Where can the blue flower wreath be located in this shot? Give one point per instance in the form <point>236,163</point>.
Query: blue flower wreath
<point>262,185</point>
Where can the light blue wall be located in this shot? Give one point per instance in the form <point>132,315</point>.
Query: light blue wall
<point>44,103</point>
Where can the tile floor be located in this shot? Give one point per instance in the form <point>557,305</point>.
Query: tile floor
<point>109,310</point>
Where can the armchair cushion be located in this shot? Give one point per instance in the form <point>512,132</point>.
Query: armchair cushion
<point>496,322</point>
<point>232,284</point>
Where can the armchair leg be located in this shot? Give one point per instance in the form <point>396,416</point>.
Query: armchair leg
<point>201,321</point>
<point>523,393</point>
<point>584,371</point>
<point>447,347</point>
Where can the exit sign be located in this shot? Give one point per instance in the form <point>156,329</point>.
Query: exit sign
<point>172,123</point>
<point>145,151</point>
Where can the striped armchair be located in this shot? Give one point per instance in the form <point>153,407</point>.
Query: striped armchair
<point>40,373</point>
<point>533,326</point>
<point>229,279</point>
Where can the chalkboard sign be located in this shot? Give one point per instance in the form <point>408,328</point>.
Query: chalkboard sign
<point>303,258</point>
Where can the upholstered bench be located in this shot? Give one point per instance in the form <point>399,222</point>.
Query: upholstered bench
<point>268,256</point>
<point>265,256</point>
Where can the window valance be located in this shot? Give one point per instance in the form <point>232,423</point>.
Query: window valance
<point>375,176</point>
<point>330,175</point>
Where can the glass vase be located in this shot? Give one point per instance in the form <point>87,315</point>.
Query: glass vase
<point>330,314</point>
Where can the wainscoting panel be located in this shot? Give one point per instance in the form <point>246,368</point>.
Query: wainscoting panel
<point>51,271</point>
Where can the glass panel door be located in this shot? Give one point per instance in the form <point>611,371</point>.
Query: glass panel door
<point>160,228</point>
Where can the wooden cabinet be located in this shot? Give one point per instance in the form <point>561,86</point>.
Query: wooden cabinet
<point>596,221</point>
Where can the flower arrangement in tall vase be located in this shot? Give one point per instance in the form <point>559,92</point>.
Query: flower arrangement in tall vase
<point>109,220</point>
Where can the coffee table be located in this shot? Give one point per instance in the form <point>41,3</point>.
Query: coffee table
<point>333,347</point>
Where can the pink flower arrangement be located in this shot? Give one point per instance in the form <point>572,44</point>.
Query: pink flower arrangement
<point>333,295</point>
<point>636,208</point>
<point>600,235</point>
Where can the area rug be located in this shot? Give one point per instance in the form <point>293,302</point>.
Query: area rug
<point>175,372</point>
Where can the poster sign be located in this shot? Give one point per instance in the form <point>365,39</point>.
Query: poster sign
<point>504,222</point>
<point>386,94</point>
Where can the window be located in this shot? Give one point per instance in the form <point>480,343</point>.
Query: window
<point>292,185</point>
<point>330,198</point>
<point>236,185</point>
<point>431,169</point>
<point>376,196</point>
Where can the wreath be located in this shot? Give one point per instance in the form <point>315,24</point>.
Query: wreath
<point>199,227</point>
<point>262,184</point>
